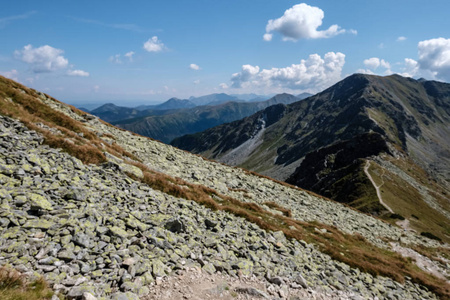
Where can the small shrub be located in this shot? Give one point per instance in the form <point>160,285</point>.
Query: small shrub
<point>396,216</point>
<point>430,236</point>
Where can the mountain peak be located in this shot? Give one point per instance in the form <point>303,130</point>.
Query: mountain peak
<point>321,143</point>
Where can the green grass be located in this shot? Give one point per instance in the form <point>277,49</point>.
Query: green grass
<point>406,201</point>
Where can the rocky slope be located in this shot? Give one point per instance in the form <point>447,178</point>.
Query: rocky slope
<point>322,144</point>
<point>102,229</point>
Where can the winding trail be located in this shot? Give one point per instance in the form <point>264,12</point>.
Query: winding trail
<point>404,223</point>
<point>377,187</point>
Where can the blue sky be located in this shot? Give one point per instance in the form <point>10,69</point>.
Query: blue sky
<point>131,52</point>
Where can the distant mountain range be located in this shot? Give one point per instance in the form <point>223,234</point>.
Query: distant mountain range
<point>171,124</point>
<point>110,112</point>
<point>394,129</point>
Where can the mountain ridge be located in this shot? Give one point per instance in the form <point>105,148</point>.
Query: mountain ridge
<point>167,126</point>
<point>410,116</point>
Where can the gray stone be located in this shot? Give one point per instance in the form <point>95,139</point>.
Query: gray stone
<point>175,226</point>
<point>124,296</point>
<point>82,240</point>
<point>88,296</point>
<point>77,292</point>
<point>211,223</point>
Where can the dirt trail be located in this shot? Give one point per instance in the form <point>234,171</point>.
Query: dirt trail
<point>404,223</point>
<point>377,187</point>
<point>195,284</point>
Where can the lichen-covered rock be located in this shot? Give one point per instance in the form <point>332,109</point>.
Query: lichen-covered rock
<point>38,224</point>
<point>39,202</point>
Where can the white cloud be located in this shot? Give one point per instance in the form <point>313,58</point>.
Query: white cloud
<point>223,86</point>
<point>374,62</point>
<point>301,22</point>
<point>411,68</point>
<point>267,37</point>
<point>248,71</point>
<point>96,88</point>
<point>6,20</point>
<point>80,73</point>
<point>115,59</point>
<point>42,59</point>
<point>365,71</point>
<point>314,73</point>
<point>434,56</point>
<point>196,81</point>
<point>129,55</point>
<point>401,39</point>
<point>194,67</point>
<point>10,74</point>
<point>154,45</point>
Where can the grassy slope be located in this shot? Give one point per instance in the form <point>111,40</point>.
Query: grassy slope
<point>406,201</point>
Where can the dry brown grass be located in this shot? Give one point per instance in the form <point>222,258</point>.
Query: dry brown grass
<point>353,250</point>
<point>15,286</point>
<point>75,138</point>
<point>286,212</point>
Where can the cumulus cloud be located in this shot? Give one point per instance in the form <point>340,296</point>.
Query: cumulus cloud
<point>194,67</point>
<point>248,71</point>
<point>434,56</point>
<point>223,86</point>
<point>10,74</point>
<point>374,66</point>
<point>314,73</point>
<point>267,37</point>
<point>401,39</point>
<point>129,55</point>
<point>374,62</point>
<point>80,73</point>
<point>410,68</point>
<point>301,22</point>
<point>42,59</point>
<point>154,45</point>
